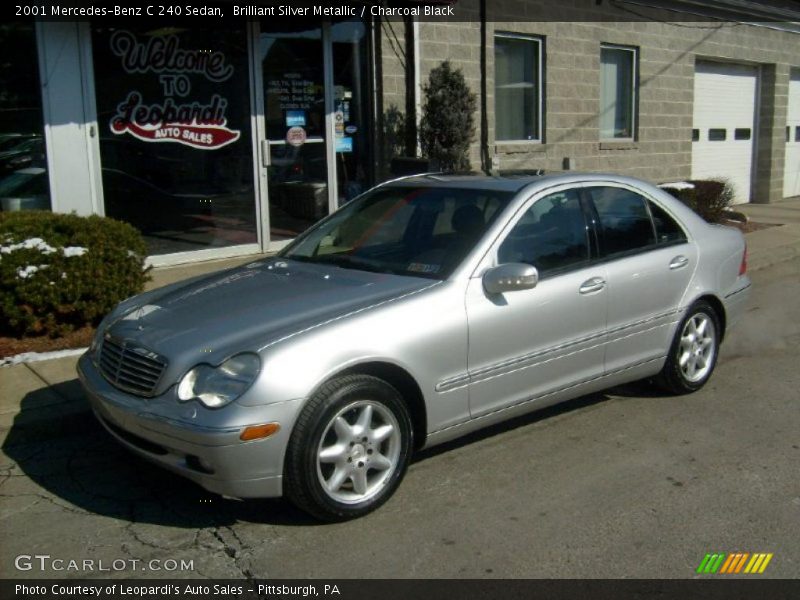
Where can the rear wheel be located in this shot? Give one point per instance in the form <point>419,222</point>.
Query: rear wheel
<point>350,448</point>
<point>693,354</point>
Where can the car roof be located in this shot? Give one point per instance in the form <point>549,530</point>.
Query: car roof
<point>506,182</point>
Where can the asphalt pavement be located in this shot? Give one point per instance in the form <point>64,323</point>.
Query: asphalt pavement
<point>630,483</point>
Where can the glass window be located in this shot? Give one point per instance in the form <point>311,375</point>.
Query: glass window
<point>351,108</point>
<point>667,229</point>
<point>173,108</point>
<point>517,88</point>
<point>717,135</point>
<point>625,224</point>
<point>23,176</point>
<point>742,133</point>
<point>551,235</point>
<point>617,92</point>
<point>294,102</point>
<point>424,232</point>
<point>695,135</point>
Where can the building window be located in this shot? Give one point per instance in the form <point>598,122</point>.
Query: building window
<point>517,87</point>
<point>23,165</point>
<point>618,89</point>
<point>717,134</point>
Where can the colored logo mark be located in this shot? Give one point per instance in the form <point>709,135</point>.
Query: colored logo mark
<point>722,563</point>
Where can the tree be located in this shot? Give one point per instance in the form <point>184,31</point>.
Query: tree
<point>447,127</point>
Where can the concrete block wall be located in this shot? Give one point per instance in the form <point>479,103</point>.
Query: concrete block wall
<point>668,51</point>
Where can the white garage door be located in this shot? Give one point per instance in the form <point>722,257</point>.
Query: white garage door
<point>791,170</point>
<point>724,124</point>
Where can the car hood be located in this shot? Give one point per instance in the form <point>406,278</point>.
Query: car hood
<point>246,308</point>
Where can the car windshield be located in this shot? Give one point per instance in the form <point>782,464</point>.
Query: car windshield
<point>416,231</point>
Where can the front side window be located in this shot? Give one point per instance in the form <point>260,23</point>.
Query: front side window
<point>415,231</point>
<point>625,224</point>
<point>551,235</point>
<point>517,87</point>
<point>618,89</point>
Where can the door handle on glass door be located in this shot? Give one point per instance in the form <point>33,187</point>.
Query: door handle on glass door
<point>678,262</point>
<point>594,284</point>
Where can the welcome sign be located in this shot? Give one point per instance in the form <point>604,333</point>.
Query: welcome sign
<point>177,119</point>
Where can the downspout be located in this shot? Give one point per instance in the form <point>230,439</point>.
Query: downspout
<point>486,159</point>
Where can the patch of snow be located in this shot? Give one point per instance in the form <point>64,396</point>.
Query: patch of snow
<point>74,251</point>
<point>29,244</point>
<point>27,357</point>
<point>677,185</point>
<point>24,273</point>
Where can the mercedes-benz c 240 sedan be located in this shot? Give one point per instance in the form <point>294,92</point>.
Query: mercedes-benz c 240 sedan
<point>422,310</point>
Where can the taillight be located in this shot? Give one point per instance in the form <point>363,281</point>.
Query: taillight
<point>743,266</point>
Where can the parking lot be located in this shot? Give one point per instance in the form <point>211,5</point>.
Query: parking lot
<point>624,484</point>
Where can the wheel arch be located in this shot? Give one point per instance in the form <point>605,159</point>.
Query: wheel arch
<point>719,309</point>
<point>405,383</point>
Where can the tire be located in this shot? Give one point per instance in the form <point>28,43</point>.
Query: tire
<point>349,449</point>
<point>693,352</point>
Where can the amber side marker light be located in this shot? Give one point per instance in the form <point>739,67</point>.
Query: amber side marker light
<point>257,432</point>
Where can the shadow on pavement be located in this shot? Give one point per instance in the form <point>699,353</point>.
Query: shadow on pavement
<point>63,450</point>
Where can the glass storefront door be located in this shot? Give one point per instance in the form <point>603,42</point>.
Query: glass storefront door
<point>293,74</point>
<point>316,112</point>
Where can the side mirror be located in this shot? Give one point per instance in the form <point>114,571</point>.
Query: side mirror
<point>510,277</point>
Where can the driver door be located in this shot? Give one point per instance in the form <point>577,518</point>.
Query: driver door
<point>527,344</point>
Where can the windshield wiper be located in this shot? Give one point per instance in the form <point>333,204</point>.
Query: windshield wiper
<point>347,261</point>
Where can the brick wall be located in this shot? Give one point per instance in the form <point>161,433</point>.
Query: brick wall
<point>667,55</point>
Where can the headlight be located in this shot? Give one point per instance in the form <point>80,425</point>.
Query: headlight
<point>218,386</point>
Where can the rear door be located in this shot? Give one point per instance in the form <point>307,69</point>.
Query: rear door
<point>649,263</point>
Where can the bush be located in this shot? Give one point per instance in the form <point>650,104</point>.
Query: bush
<point>447,127</point>
<point>709,198</point>
<point>60,272</point>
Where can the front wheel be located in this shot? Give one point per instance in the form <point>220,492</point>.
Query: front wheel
<point>349,450</point>
<point>693,354</point>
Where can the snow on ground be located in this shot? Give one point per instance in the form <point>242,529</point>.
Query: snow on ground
<point>27,357</point>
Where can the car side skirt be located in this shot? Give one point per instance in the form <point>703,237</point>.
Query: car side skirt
<point>632,373</point>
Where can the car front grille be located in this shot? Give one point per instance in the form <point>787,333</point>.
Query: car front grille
<point>130,367</point>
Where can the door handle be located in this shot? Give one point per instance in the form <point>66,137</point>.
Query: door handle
<point>595,284</point>
<point>266,158</point>
<point>678,262</point>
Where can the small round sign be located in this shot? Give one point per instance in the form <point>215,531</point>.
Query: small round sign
<point>350,129</point>
<point>296,136</point>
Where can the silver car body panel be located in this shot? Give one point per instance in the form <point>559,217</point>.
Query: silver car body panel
<point>475,359</point>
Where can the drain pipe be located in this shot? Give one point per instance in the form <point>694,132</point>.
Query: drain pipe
<point>486,159</point>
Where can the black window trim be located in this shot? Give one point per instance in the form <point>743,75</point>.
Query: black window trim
<point>593,232</point>
<point>595,224</point>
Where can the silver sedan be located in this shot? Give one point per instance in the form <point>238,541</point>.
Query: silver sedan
<point>425,309</point>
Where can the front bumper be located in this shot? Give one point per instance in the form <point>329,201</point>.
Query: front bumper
<point>213,457</point>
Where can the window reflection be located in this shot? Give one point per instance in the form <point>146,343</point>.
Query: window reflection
<point>23,176</point>
<point>174,121</point>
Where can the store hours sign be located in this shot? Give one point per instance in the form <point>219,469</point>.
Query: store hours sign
<point>176,117</point>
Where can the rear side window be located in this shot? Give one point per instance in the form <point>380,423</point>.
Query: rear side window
<point>625,224</point>
<point>667,229</point>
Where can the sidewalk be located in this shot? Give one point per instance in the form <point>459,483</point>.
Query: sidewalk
<point>51,390</point>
